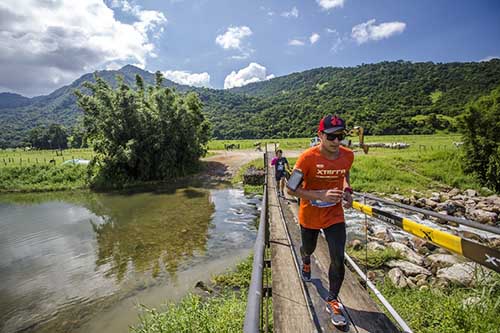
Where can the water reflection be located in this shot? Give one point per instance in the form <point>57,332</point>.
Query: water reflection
<point>67,256</point>
<point>151,232</point>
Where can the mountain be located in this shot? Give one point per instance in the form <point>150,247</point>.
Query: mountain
<point>385,98</point>
<point>9,100</point>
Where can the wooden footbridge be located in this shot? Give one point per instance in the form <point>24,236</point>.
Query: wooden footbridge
<point>299,306</point>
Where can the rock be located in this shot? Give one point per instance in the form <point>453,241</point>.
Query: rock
<point>379,231</point>
<point>470,193</point>
<point>397,278</point>
<point>375,246</point>
<point>453,192</point>
<point>406,252</point>
<point>407,267</point>
<point>473,300</point>
<point>376,275</point>
<point>471,235</point>
<point>483,216</point>
<point>428,203</point>
<point>441,283</point>
<point>436,197</point>
<point>254,176</point>
<point>438,261</point>
<point>494,243</point>
<point>420,243</point>
<point>356,244</point>
<point>462,274</point>
<point>397,197</point>
<point>417,194</point>
<point>420,280</point>
<point>201,285</point>
<point>458,197</point>
<point>411,284</point>
<point>424,287</point>
<point>442,251</point>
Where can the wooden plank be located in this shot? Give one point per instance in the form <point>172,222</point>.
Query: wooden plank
<point>290,307</point>
<point>364,314</point>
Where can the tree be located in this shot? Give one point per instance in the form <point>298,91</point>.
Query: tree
<point>480,127</point>
<point>150,133</point>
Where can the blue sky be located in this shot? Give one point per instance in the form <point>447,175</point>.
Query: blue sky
<point>222,43</point>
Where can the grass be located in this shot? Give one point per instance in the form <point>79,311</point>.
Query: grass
<point>430,163</point>
<point>35,178</point>
<point>443,310</point>
<point>435,309</point>
<point>224,311</point>
<point>20,157</point>
<point>373,259</point>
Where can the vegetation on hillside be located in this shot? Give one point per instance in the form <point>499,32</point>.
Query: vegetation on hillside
<point>146,134</point>
<point>480,126</point>
<point>385,98</point>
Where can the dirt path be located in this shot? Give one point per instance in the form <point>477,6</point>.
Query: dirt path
<point>225,164</point>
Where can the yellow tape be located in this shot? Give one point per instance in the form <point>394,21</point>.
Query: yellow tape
<point>362,208</point>
<point>441,238</point>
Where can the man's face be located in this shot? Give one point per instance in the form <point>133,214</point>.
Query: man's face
<point>331,142</point>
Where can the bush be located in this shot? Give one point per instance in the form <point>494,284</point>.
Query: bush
<point>142,135</point>
<point>480,127</point>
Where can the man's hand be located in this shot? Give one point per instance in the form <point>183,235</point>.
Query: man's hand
<point>347,196</point>
<point>333,196</point>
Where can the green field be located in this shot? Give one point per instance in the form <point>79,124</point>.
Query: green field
<point>20,157</point>
<point>432,162</point>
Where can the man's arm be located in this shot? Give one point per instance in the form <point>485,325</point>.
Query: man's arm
<point>347,195</point>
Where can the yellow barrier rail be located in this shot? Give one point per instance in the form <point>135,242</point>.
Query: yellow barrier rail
<point>476,252</point>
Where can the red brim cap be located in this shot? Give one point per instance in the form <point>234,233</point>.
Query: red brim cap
<point>331,124</point>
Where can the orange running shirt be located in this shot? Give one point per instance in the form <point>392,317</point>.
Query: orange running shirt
<point>321,174</point>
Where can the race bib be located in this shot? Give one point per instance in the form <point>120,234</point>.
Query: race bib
<point>321,204</point>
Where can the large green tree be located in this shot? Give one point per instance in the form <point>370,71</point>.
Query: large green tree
<point>142,134</point>
<point>480,126</point>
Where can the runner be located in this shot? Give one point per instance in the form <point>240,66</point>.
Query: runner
<point>325,170</point>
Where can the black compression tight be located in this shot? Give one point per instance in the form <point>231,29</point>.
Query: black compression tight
<point>335,237</point>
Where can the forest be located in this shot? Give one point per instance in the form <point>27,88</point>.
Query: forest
<point>398,97</point>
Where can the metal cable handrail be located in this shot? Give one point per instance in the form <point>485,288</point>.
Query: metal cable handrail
<point>448,218</point>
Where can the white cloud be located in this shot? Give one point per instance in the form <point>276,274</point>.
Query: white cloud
<point>314,38</point>
<point>48,43</point>
<point>296,42</point>
<point>294,12</point>
<point>489,58</point>
<point>233,37</point>
<point>330,4</point>
<point>252,73</point>
<point>331,31</point>
<point>367,31</point>
<point>188,78</point>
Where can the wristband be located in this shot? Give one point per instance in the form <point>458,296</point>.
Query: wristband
<point>348,189</point>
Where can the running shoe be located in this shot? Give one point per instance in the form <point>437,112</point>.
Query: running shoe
<point>306,272</point>
<point>334,308</point>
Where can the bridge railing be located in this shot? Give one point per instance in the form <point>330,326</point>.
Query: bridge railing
<point>481,254</point>
<point>253,315</point>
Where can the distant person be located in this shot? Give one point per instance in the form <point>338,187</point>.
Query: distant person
<point>325,185</point>
<point>281,167</point>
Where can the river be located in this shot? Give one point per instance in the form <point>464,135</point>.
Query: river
<point>83,262</point>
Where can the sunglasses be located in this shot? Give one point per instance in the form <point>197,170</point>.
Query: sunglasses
<point>333,136</point>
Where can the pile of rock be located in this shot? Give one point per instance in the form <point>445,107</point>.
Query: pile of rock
<point>468,204</point>
<point>423,265</point>
<point>254,176</point>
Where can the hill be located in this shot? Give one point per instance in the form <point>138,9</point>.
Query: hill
<point>385,98</point>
